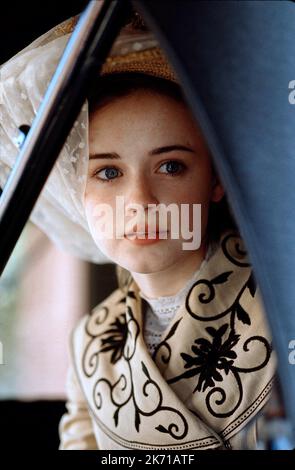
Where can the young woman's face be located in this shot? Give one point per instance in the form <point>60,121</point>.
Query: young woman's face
<point>123,138</point>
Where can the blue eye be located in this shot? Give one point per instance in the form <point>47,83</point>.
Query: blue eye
<point>110,173</point>
<point>173,167</point>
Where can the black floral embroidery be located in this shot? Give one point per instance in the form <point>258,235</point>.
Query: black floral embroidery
<point>209,358</point>
<point>235,310</point>
<point>212,358</point>
<point>115,338</point>
<point>205,290</point>
<point>120,339</point>
<point>233,248</point>
<point>164,346</point>
<point>178,429</point>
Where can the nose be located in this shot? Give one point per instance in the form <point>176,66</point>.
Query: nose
<point>139,196</point>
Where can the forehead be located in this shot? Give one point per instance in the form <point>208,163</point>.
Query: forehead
<point>141,113</point>
<point>134,100</point>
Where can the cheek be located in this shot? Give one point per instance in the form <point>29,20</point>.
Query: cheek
<point>201,186</point>
<point>89,205</point>
<point>197,188</point>
<point>92,199</point>
<point>95,194</point>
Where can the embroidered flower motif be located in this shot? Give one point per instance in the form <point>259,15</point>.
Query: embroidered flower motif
<point>211,357</point>
<point>115,338</point>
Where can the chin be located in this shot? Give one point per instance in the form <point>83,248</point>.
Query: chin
<point>139,267</point>
<point>145,265</point>
<point>142,261</point>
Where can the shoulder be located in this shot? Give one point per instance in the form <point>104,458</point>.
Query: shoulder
<point>93,323</point>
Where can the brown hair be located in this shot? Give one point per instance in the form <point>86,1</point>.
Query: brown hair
<point>116,85</point>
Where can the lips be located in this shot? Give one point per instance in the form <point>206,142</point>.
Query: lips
<point>147,232</point>
<point>146,236</point>
<point>146,239</point>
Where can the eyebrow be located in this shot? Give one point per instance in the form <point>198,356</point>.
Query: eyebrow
<point>156,151</point>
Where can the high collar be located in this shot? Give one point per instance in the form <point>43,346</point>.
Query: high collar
<point>210,374</point>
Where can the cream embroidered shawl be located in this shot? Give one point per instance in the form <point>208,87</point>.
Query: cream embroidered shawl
<point>211,373</point>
